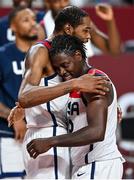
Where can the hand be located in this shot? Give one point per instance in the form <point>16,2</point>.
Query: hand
<point>16,114</point>
<point>93,84</point>
<point>20,130</point>
<point>38,146</point>
<point>104,11</point>
<point>119,114</point>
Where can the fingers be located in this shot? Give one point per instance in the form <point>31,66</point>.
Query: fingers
<point>31,150</point>
<point>119,114</point>
<point>10,120</point>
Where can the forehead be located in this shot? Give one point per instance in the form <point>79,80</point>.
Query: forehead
<point>61,58</point>
<point>52,1</point>
<point>22,1</point>
<point>86,21</point>
<point>23,13</point>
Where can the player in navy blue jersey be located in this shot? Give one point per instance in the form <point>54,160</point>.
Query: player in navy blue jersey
<point>24,26</point>
<point>6,34</point>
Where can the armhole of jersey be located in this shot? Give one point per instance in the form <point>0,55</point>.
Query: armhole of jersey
<point>83,100</point>
<point>96,72</point>
<point>45,43</point>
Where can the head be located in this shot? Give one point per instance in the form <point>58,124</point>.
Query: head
<point>73,21</point>
<point>56,5</point>
<point>68,56</point>
<point>23,23</point>
<point>23,3</point>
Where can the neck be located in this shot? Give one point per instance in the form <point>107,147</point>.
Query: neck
<point>58,33</point>
<point>50,38</point>
<point>24,45</point>
<point>85,69</point>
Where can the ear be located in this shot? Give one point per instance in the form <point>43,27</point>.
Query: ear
<point>78,55</point>
<point>13,27</point>
<point>68,29</point>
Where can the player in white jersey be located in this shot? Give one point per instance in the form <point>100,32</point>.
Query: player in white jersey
<point>46,120</point>
<point>93,118</point>
<point>100,41</point>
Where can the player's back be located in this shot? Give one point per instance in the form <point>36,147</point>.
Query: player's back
<point>47,120</point>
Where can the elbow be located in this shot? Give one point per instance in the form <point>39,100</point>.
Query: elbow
<point>100,136</point>
<point>23,101</point>
<point>116,52</point>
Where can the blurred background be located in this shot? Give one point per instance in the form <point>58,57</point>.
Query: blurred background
<point>120,67</point>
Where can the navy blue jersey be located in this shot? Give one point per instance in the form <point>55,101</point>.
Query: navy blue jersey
<point>6,34</point>
<point>11,64</point>
<point>40,15</point>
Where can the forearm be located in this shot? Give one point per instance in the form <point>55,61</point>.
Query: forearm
<point>114,38</point>
<point>81,137</point>
<point>4,111</point>
<point>36,95</point>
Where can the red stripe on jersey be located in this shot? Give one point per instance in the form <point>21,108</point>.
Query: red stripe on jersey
<point>75,94</point>
<point>46,43</point>
<point>96,71</point>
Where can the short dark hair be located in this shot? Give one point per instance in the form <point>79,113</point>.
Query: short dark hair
<point>14,12</point>
<point>67,44</point>
<point>72,15</point>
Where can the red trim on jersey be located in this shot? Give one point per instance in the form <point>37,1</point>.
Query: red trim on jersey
<point>47,44</point>
<point>96,71</point>
<point>42,23</point>
<point>75,94</point>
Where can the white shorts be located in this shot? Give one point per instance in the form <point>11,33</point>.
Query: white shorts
<point>110,169</point>
<point>11,159</point>
<point>53,164</point>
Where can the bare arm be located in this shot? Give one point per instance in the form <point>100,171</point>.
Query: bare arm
<point>111,43</point>
<point>39,65</point>
<point>19,127</point>
<point>94,132</point>
<point>4,111</point>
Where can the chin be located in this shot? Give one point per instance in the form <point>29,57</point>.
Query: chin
<point>85,41</point>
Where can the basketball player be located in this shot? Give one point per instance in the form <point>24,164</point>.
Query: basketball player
<point>105,43</point>
<point>23,24</point>
<point>6,33</point>
<point>49,119</point>
<point>93,118</point>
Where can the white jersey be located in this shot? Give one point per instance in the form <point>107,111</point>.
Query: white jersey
<point>52,113</point>
<point>100,151</point>
<point>47,120</point>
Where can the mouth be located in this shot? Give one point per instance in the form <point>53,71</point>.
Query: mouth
<point>67,77</point>
<point>33,31</point>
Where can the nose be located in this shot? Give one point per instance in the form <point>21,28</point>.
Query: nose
<point>89,36</point>
<point>61,71</point>
<point>33,22</point>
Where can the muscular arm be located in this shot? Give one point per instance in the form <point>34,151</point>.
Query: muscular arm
<point>30,94</point>
<point>97,107</point>
<point>38,64</point>
<point>111,43</point>
<point>107,43</point>
<point>95,131</point>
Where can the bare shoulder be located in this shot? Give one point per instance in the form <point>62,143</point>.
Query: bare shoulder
<point>37,54</point>
<point>108,97</point>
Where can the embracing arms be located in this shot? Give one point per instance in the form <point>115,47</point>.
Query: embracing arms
<point>97,106</point>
